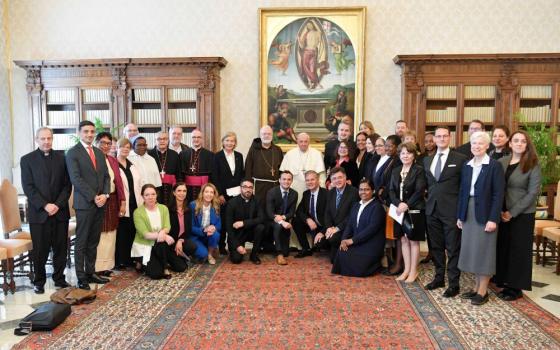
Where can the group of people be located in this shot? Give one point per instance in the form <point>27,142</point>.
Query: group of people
<point>368,202</point>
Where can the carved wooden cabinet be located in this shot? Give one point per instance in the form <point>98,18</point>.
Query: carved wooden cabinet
<point>151,92</point>
<point>452,90</point>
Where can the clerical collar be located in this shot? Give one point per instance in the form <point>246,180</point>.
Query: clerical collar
<point>197,149</point>
<point>160,151</point>
<point>46,154</point>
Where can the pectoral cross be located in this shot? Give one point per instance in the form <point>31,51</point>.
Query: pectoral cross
<point>162,172</point>
<point>192,168</point>
<point>272,171</point>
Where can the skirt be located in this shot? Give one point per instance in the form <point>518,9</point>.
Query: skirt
<point>106,251</point>
<point>515,252</point>
<point>111,218</point>
<point>478,248</point>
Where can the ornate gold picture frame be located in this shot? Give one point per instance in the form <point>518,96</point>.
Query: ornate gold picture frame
<point>311,71</point>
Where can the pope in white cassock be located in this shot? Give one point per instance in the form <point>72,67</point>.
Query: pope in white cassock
<point>301,159</point>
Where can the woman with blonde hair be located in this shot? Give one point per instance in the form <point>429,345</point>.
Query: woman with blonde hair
<point>206,223</point>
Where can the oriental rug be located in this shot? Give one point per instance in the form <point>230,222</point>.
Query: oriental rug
<point>299,306</point>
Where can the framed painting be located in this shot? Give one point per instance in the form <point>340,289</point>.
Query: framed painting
<point>311,71</point>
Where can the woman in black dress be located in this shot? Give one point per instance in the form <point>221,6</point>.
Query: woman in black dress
<point>515,233</point>
<point>406,192</point>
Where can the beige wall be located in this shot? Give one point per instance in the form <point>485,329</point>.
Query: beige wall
<point>63,29</point>
<point>5,115</point>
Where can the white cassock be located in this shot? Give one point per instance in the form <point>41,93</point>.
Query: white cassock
<point>298,162</point>
<point>147,167</point>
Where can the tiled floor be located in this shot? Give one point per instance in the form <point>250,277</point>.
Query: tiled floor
<point>546,293</point>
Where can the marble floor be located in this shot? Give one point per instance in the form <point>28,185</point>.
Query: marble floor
<point>13,307</point>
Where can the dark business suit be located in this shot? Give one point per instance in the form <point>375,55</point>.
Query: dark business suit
<point>363,257</point>
<point>88,182</point>
<point>382,177</point>
<point>252,214</point>
<point>275,206</point>
<point>303,213</point>
<point>441,216</point>
<point>414,188</point>
<point>223,179</point>
<point>338,217</point>
<point>45,180</point>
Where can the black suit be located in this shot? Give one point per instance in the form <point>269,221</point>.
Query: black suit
<point>303,213</point>
<point>441,215</point>
<point>275,206</point>
<point>88,183</point>
<point>45,180</point>
<point>252,214</point>
<point>413,191</point>
<point>338,217</point>
<point>223,179</point>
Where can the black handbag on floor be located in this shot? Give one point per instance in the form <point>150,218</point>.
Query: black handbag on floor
<point>45,318</point>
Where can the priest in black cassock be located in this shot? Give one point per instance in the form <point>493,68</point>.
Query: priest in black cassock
<point>169,166</point>
<point>196,165</point>
<point>263,163</point>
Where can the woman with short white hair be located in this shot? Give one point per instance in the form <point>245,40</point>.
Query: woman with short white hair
<point>481,197</point>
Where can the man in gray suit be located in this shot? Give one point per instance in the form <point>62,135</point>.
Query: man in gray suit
<point>88,173</point>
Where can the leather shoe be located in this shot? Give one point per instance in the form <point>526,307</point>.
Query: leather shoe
<point>303,254</point>
<point>451,292</point>
<point>280,260</point>
<point>479,299</point>
<point>95,278</point>
<point>61,284</point>
<point>468,295</point>
<point>255,260</point>
<point>434,285</point>
<point>39,289</point>
<point>83,285</point>
<point>223,251</point>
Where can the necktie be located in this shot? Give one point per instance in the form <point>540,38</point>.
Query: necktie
<point>92,156</point>
<point>338,197</point>
<point>437,170</point>
<point>284,202</point>
<point>312,207</point>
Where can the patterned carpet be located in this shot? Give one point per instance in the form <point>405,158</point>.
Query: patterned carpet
<point>298,306</point>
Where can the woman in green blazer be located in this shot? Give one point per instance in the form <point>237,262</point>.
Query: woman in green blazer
<point>152,243</point>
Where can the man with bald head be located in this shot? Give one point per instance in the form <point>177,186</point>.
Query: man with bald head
<point>130,131</point>
<point>196,165</point>
<point>344,133</point>
<point>302,159</point>
<point>263,163</point>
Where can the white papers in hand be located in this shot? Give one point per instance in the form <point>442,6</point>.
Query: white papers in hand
<point>393,213</point>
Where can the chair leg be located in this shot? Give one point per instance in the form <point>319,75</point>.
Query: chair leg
<point>538,242</point>
<point>11,283</point>
<point>5,275</point>
<point>31,269</point>
<point>544,243</point>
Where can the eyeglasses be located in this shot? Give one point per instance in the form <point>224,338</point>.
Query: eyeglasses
<point>104,143</point>
<point>247,187</point>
